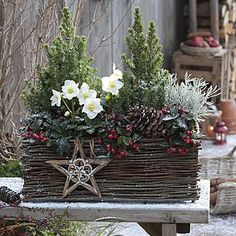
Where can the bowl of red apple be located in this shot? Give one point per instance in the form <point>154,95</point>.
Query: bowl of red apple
<point>201,45</point>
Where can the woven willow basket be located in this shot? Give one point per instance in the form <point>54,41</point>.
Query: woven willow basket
<point>226,199</point>
<point>150,175</point>
<point>219,167</point>
<point>199,51</point>
<point>223,167</point>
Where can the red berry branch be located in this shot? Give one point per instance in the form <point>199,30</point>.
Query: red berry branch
<point>38,136</point>
<point>118,138</point>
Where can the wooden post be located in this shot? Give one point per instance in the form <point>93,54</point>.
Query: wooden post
<point>214,13</point>
<point>153,229</point>
<point>168,229</point>
<point>192,15</point>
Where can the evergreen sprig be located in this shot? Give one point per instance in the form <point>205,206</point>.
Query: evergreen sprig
<point>67,60</point>
<point>144,79</point>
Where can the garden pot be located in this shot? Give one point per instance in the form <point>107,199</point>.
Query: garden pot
<point>228,108</point>
<point>151,175</point>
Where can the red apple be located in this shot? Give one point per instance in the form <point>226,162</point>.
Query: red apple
<point>197,41</point>
<point>214,43</point>
<point>210,38</point>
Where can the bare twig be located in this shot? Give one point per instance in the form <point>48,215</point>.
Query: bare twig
<point>104,39</point>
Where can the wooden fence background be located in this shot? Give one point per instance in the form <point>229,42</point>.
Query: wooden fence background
<point>167,14</point>
<point>100,19</point>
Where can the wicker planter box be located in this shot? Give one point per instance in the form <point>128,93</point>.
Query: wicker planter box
<point>151,175</point>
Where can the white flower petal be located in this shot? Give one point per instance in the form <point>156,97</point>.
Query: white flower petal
<point>85,109</point>
<point>105,81</point>
<point>92,94</point>
<point>84,87</point>
<point>111,84</point>
<point>119,84</point>
<point>114,91</point>
<point>118,74</point>
<point>67,82</point>
<point>92,115</point>
<point>56,98</point>
<point>92,107</point>
<point>86,93</point>
<point>70,89</point>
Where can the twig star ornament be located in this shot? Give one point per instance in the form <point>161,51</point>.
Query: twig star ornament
<point>79,171</point>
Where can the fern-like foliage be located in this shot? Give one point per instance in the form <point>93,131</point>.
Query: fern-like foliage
<point>194,95</point>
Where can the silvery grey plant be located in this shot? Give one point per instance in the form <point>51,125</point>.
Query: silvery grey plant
<point>193,94</point>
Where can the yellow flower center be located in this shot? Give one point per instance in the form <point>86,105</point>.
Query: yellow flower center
<point>85,95</point>
<point>91,106</point>
<point>111,84</point>
<point>70,90</point>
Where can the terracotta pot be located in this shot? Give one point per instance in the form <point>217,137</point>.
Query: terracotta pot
<point>228,108</point>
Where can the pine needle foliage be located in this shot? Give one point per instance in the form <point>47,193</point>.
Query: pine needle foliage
<point>144,75</point>
<point>67,60</point>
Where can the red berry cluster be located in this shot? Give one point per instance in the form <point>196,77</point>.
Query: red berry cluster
<point>187,139</point>
<point>112,138</point>
<point>37,136</point>
<point>180,150</point>
<point>112,134</point>
<point>134,146</point>
<point>111,144</point>
<point>129,128</point>
<point>116,152</point>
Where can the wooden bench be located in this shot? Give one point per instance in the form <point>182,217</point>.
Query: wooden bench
<point>156,219</point>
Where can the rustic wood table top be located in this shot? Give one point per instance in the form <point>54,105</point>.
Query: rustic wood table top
<point>167,214</point>
<point>210,150</point>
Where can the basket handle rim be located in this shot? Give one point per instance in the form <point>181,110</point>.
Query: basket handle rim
<point>231,153</point>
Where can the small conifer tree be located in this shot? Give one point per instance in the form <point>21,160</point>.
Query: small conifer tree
<point>67,60</point>
<point>144,78</point>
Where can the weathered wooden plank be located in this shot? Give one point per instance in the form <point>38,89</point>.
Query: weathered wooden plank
<point>193,15</point>
<point>197,212</point>
<point>121,21</point>
<point>168,229</point>
<point>101,43</point>
<point>214,10</point>
<point>205,21</point>
<point>203,9</point>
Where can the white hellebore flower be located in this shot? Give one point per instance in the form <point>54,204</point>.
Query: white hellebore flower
<point>111,84</point>
<point>92,107</point>
<point>70,89</point>
<point>86,93</point>
<point>56,98</point>
<point>117,73</point>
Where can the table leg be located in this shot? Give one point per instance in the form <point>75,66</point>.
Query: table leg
<point>156,229</point>
<point>153,229</point>
<point>168,229</point>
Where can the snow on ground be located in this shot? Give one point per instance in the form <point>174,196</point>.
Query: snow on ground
<point>221,225</point>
